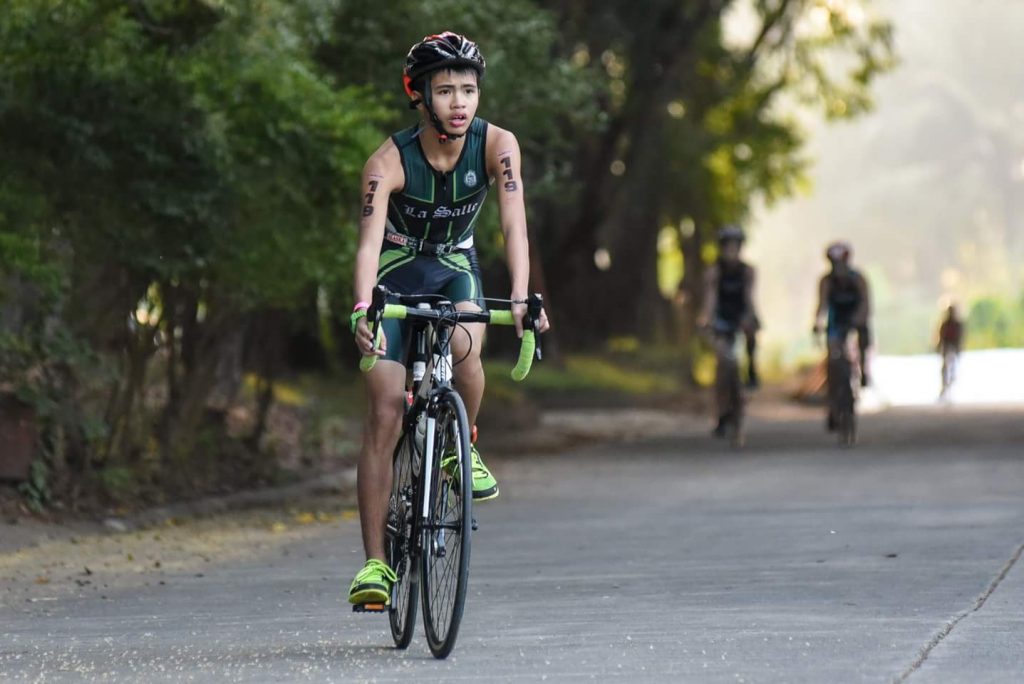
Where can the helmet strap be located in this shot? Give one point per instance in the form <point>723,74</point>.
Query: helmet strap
<point>443,136</point>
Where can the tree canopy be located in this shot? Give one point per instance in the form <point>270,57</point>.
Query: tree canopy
<point>180,177</point>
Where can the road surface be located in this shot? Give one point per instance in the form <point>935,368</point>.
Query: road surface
<point>670,558</point>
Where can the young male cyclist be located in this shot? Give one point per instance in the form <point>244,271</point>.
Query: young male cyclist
<point>422,193</point>
<point>729,309</point>
<point>843,305</point>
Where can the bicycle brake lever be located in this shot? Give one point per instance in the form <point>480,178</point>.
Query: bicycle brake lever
<point>375,314</point>
<point>534,305</point>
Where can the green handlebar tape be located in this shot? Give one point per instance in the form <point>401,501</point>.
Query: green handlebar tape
<point>368,362</point>
<point>526,349</point>
<point>354,318</point>
<point>390,311</point>
<point>502,317</point>
<point>394,311</point>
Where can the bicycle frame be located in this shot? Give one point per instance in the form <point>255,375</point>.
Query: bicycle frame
<point>842,396</point>
<point>431,400</point>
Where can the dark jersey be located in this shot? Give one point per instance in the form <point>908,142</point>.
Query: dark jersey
<point>435,206</point>
<point>951,332</point>
<point>844,295</point>
<point>732,286</point>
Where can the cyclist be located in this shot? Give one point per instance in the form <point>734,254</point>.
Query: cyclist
<point>843,305</point>
<point>951,334</point>
<point>728,309</point>
<point>422,193</point>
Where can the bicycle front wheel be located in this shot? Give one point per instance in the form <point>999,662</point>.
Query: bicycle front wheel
<point>737,436</point>
<point>444,562</point>
<point>399,535</point>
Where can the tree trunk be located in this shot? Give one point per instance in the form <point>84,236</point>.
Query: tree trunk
<point>623,213</point>
<point>692,289</point>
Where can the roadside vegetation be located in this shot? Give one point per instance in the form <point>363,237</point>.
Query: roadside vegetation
<point>177,205</point>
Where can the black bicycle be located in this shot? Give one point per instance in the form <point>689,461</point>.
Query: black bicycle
<point>842,398</point>
<point>728,388</point>
<point>429,521</point>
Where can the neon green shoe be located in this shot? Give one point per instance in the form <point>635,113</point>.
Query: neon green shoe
<point>485,487</point>
<point>372,584</point>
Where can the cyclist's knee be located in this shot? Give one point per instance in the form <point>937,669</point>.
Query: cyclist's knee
<point>726,358</point>
<point>470,370</point>
<point>384,415</point>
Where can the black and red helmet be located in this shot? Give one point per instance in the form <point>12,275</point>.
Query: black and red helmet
<point>446,50</point>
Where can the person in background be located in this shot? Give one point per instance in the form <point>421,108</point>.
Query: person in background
<point>951,336</point>
<point>844,305</point>
<point>729,309</point>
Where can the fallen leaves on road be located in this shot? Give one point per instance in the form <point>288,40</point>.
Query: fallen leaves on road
<point>177,548</point>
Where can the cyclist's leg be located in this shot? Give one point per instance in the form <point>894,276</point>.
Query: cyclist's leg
<point>837,335</point>
<point>399,271</point>
<point>463,287</point>
<point>863,343</point>
<point>461,284</point>
<point>750,327</point>
<point>467,341</point>
<point>725,373</point>
<point>385,387</point>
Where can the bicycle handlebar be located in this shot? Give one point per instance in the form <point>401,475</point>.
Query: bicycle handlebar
<point>529,347</point>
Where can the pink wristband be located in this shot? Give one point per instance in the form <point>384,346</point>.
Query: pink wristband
<point>361,305</point>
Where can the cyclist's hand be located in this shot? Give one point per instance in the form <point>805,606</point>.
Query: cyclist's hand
<point>543,324</point>
<point>364,340</point>
<point>518,312</point>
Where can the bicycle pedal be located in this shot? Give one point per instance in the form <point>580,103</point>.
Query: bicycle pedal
<point>474,524</point>
<point>369,608</point>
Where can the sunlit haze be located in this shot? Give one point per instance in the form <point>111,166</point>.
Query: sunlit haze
<point>928,187</point>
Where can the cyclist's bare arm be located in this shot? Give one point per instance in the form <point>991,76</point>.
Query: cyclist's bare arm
<point>710,296</point>
<point>864,309</point>
<point>382,175</point>
<point>824,291</point>
<point>504,162</point>
<point>748,293</point>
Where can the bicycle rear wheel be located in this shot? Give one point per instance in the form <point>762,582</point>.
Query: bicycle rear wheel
<point>444,562</point>
<point>846,418</point>
<point>399,546</point>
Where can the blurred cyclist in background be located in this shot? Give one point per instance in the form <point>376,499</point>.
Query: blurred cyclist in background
<point>844,305</point>
<point>951,335</point>
<point>729,309</point>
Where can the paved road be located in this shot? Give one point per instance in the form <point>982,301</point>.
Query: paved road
<point>665,560</point>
